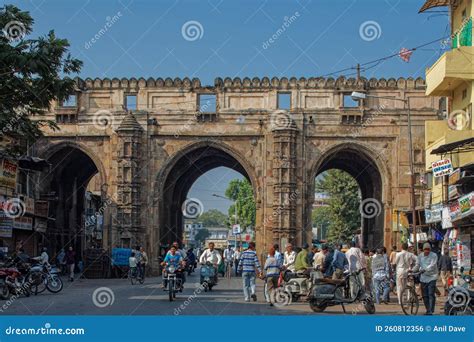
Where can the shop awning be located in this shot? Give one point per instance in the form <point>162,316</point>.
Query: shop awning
<point>466,145</point>
<point>33,163</point>
<point>435,3</point>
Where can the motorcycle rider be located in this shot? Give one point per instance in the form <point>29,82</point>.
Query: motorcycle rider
<point>212,256</point>
<point>301,264</point>
<point>44,257</point>
<point>191,259</point>
<point>175,259</point>
<point>228,257</point>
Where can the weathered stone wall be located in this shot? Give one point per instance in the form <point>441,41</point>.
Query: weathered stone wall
<point>280,152</point>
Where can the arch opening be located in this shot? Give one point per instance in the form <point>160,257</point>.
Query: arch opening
<point>363,169</point>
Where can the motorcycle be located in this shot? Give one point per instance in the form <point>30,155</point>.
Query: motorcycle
<point>329,292</point>
<point>175,281</point>
<point>208,276</point>
<point>460,299</point>
<point>44,277</point>
<point>13,282</point>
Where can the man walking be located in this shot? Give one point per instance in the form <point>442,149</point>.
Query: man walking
<point>356,261</point>
<point>228,258</point>
<point>381,276</point>
<point>338,263</point>
<point>142,261</point>
<point>404,261</point>
<point>237,260</point>
<point>272,272</point>
<point>445,267</point>
<point>428,263</point>
<point>250,268</point>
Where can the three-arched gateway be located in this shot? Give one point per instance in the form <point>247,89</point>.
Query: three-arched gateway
<point>139,164</point>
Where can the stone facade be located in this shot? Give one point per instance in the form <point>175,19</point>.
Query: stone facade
<point>148,158</point>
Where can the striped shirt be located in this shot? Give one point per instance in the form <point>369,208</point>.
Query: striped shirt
<point>272,267</point>
<point>249,262</point>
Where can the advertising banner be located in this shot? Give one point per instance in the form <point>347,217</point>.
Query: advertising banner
<point>8,172</point>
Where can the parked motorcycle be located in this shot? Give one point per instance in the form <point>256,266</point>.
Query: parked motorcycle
<point>44,277</point>
<point>329,292</point>
<point>175,281</point>
<point>208,277</point>
<point>12,282</point>
<point>460,298</point>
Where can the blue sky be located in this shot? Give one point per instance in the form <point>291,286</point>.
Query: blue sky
<point>148,38</point>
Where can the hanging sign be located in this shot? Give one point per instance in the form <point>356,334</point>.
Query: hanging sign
<point>442,167</point>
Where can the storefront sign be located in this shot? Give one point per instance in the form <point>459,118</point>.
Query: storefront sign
<point>446,218</point>
<point>442,167</point>
<point>6,226</point>
<point>454,176</point>
<point>433,215</point>
<point>427,199</point>
<point>41,208</point>
<point>453,191</point>
<point>8,172</point>
<point>466,205</point>
<point>29,205</point>
<point>41,225</point>
<point>454,210</point>
<point>236,229</point>
<point>23,223</point>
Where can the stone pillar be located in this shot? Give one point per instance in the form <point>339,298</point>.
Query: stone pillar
<point>285,191</point>
<point>128,228</point>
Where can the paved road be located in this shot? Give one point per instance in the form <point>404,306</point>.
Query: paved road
<point>119,297</point>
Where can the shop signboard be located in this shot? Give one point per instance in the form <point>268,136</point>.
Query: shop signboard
<point>236,229</point>
<point>23,223</point>
<point>442,167</point>
<point>29,205</point>
<point>40,225</point>
<point>446,218</point>
<point>6,225</point>
<point>453,191</point>
<point>41,208</point>
<point>466,205</point>
<point>8,172</point>
<point>433,215</point>
<point>454,176</point>
<point>463,252</point>
<point>454,210</point>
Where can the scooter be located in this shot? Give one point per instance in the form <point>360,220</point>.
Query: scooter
<point>329,292</point>
<point>208,277</point>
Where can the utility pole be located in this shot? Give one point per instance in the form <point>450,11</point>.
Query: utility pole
<point>412,178</point>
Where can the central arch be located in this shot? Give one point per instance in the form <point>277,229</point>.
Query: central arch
<point>365,167</point>
<point>179,174</point>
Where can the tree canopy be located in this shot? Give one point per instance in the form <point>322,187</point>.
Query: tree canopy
<point>241,192</point>
<point>344,202</point>
<point>33,73</point>
<point>213,218</point>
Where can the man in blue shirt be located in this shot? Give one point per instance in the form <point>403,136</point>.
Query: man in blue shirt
<point>428,263</point>
<point>172,259</point>
<point>248,266</point>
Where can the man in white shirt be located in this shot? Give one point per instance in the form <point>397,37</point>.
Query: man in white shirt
<point>211,255</point>
<point>404,261</point>
<point>357,261</point>
<point>289,258</point>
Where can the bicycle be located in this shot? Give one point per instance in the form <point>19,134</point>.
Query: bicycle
<point>410,302</point>
<point>134,277</point>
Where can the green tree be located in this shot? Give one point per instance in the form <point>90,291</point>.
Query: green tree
<point>213,218</point>
<point>321,217</point>
<point>241,192</point>
<point>343,204</point>
<point>33,73</point>
<point>202,235</point>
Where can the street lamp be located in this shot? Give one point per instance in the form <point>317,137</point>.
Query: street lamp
<point>362,96</point>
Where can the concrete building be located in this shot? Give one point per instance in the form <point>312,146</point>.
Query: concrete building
<point>449,143</point>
